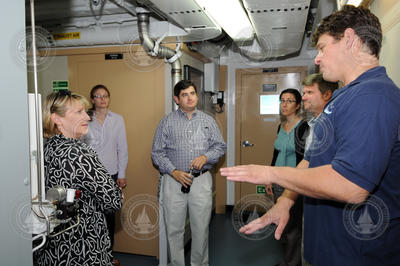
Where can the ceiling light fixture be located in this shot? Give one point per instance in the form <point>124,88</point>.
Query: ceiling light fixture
<point>229,15</point>
<point>341,3</point>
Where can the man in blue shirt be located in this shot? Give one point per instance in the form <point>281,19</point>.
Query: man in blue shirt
<point>186,145</point>
<point>316,94</point>
<point>351,172</point>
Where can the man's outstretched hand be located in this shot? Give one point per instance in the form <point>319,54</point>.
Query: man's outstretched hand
<point>255,174</point>
<point>278,214</point>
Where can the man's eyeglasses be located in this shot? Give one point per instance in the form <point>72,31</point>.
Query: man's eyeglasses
<point>60,93</point>
<point>287,101</point>
<point>100,96</point>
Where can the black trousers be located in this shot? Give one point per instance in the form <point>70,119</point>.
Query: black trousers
<point>292,236</point>
<point>110,219</point>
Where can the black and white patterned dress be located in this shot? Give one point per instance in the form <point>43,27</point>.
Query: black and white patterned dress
<point>73,164</point>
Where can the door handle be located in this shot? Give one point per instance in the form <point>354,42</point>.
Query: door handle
<point>246,143</point>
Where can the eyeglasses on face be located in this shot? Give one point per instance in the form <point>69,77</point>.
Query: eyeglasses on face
<point>287,101</point>
<point>100,96</point>
<point>60,93</point>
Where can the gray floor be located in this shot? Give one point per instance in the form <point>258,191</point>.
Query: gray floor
<point>227,248</point>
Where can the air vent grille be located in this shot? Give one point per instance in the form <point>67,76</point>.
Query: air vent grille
<point>172,13</point>
<point>275,10</point>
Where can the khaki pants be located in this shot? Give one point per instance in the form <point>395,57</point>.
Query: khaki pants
<point>175,205</point>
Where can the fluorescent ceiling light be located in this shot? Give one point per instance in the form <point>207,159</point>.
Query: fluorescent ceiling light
<point>354,2</point>
<point>341,3</point>
<point>229,15</point>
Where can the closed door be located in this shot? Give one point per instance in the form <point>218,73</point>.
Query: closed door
<point>258,116</point>
<point>138,95</point>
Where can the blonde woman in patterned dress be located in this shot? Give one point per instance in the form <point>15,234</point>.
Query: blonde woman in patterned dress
<point>72,164</point>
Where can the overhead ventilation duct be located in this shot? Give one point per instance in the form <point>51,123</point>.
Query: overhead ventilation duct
<point>188,15</point>
<point>107,33</point>
<point>279,27</point>
<point>74,23</point>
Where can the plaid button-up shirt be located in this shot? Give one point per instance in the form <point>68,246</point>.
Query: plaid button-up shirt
<point>179,140</point>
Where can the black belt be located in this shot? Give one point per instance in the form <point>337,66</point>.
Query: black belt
<point>196,174</point>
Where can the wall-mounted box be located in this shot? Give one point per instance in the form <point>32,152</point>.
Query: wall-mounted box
<point>211,77</point>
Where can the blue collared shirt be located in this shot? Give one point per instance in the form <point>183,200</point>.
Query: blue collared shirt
<point>358,134</point>
<point>178,141</point>
<point>109,141</point>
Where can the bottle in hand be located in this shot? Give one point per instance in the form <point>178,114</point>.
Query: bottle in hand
<point>187,188</point>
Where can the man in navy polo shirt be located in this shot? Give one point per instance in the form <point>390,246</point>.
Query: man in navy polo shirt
<point>351,174</point>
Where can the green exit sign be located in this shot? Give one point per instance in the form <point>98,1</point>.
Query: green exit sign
<point>260,189</point>
<point>60,85</point>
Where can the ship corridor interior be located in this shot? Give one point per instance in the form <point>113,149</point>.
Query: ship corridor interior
<point>139,49</point>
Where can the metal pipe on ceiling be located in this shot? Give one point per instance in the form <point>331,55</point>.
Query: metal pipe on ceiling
<point>162,51</point>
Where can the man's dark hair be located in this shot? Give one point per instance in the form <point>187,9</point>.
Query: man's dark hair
<point>323,85</point>
<point>365,24</point>
<point>183,85</point>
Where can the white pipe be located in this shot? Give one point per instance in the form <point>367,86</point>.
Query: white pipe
<point>35,80</point>
<point>38,122</point>
<point>108,33</point>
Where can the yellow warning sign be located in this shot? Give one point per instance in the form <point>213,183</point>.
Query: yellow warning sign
<point>66,36</point>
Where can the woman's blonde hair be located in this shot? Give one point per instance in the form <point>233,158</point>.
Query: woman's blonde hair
<point>57,102</point>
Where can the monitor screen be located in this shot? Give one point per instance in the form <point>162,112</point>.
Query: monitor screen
<point>269,104</point>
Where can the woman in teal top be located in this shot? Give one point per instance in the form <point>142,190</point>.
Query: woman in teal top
<point>289,151</point>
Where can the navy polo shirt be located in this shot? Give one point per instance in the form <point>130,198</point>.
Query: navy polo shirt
<point>358,134</point>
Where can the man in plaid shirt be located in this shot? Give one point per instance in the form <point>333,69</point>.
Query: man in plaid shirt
<point>186,145</point>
